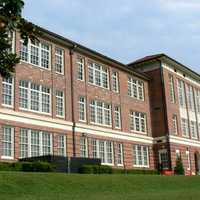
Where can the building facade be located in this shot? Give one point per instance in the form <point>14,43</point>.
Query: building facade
<point>65,99</point>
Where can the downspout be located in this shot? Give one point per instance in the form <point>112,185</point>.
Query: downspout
<point>72,100</point>
<point>165,114</point>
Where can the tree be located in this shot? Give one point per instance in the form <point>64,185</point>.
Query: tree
<point>179,169</point>
<point>10,21</point>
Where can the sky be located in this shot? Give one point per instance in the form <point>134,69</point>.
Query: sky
<point>125,30</point>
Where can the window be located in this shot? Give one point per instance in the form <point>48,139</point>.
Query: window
<point>136,89</point>
<point>190,96</point>
<point>34,97</point>
<point>120,154</point>
<point>140,156</point>
<point>59,60</point>
<point>178,154</point>
<point>197,97</point>
<point>163,159</point>
<point>100,113</point>
<point>59,103</point>
<point>98,75</point>
<point>80,65</point>
<point>103,150</point>
<point>7,142</point>
<point>117,117</point>
<point>175,125</point>
<point>188,160</point>
<point>181,93</point>
<point>172,93</point>
<point>7,92</point>
<point>115,81</point>
<point>61,145</point>
<point>193,129</point>
<point>35,53</point>
<point>35,143</point>
<point>82,109</point>
<point>185,127</point>
<point>138,122</point>
<point>83,147</point>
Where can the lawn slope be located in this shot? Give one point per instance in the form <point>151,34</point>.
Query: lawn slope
<point>41,186</point>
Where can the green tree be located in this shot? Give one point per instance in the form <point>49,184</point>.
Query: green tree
<point>10,21</point>
<point>179,169</point>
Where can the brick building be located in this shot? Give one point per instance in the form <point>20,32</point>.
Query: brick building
<point>65,99</point>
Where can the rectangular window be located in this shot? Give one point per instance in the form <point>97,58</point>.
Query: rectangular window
<point>98,75</point>
<point>197,98</point>
<point>23,143</point>
<point>35,143</point>
<point>115,81</point>
<point>100,113</point>
<point>172,93</point>
<point>7,92</point>
<point>190,97</point>
<point>140,156</point>
<point>135,88</point>
<point>59,60</point>
<point>188,160</point>
<point>37,53</point>
<point>117,117</point>
<point>34,97</point>
<point>193,129</point>
<point>82,109</point>
<point>181,94</point>
<point>61,145</point>
<point>175,125</point>
<point>46,143</point>
<point>138,122</point>
<point>81,68</point>
<point>8,142</point>
<point>59,103</point>
<point>185,127</point>
<point>103,150</point>
<point>120,154</point>
<point>83,147</point>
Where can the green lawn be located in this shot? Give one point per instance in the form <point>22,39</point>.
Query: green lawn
<point>26,186</point>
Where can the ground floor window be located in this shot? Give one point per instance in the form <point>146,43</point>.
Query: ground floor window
<point>83,147</point>
<point>140,156</point>
<point>163,159</point>
<point>61,145</point>
<point>120,154</point>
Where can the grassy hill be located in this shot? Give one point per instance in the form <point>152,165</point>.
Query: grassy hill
<point>53,186</point>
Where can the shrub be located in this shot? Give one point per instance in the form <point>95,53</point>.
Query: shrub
<point>37,167</point>
<point>179,169</point>
<point>10,166</point>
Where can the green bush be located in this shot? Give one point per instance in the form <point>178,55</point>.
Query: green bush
<point>100,169</point>
<point>37,167</point>
<point>27,166</point>
<point>10,166</point>
<point>179,169</point>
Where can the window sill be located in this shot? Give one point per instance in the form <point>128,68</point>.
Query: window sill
<point>7,106</point>
<point>48,69</point>
<point>7,157</point>
<point>140,166</point>
<point>108,126</point>
<point>33,111</point>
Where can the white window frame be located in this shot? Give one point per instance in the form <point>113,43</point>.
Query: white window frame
<point>135,152</point>
<point>188,160</point>
<point>62,98</point>
<point>61,57</point>
<point>117,117</point>
<point>12,85</point>
<point>83,147</point>
<point>172,91</point>
<point>62,147</point>
<point>115,81</point>
<point>190,98</point>
<point>197,98</point>
<point>40,99</point>
<point>80,68</point>
<point>83,105</point>
<point>12,141</point>
<point>181,93</point>
<point>39,46</point>
<point>194,129</point>
<point>120,154</point>
<point>175,124</point>
<point>185,127</point>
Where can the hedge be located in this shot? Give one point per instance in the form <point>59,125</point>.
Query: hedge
<point>100,169</point>
<point>27,166</point>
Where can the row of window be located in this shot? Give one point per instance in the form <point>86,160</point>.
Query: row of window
<point>33,97</point>
<point>187,94</point>
<point>100,114</point>
<point>104,150</point>
<point>32,143</point>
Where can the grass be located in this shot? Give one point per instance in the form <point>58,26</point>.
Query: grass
<point>53,186</point>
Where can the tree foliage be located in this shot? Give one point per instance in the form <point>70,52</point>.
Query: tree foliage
<point>10,21</point>
<point>179,169</point>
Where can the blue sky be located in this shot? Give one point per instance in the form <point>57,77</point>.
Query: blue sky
<point>125,29</point>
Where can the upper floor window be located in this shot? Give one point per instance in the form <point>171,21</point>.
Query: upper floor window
<point>140,156</point>
<point>138,122</point>
<point>34,97</point>
<point>172,93</point>
<point>193,129</point>
<point>185,127</point>
<point>82,109</point>
<point>98,75</point>
<point>197,97</point>
<point>37,53</point>
<point>60,103</point>
<point>115,81</point>
<point>175,125</point>
<point>190,96</point>
<point>117,117</point>
<point>181,93</point>
<point>100,113</point>
<point>7,91</point>
<point>81,68</point>
<point>136,88</point>
<point>59,60</point>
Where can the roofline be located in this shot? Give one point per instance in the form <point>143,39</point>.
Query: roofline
<point>80,47</point>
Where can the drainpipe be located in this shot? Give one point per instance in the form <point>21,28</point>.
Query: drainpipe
<point>165,114</point>
<point>72,99</point>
